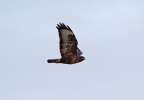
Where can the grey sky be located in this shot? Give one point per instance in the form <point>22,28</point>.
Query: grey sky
<point>110,34</point>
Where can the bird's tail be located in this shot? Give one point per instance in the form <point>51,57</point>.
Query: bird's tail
<point>53,60</point>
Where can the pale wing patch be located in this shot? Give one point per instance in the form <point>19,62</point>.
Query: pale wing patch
<point>66,39</point>
<point>65,34</point>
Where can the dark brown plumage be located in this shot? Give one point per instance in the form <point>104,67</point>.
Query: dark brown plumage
<point>70,53</point>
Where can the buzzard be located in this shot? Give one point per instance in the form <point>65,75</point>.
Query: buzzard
<point>70,53</point>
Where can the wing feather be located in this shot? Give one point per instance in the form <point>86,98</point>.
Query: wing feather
<point>79,52</point>
<point>68,41</point>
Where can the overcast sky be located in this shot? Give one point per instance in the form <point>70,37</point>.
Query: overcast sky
<point>110,34</point>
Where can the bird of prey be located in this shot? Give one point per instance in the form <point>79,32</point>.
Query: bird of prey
<point>70,53</point>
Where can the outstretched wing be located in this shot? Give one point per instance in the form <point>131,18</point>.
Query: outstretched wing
<point>68,42</point>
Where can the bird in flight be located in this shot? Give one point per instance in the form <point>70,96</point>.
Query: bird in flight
<point>70,53</point>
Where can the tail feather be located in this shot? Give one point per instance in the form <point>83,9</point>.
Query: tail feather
<point>53,60</point>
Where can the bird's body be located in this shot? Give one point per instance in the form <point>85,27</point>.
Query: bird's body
<point>70,53</point>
